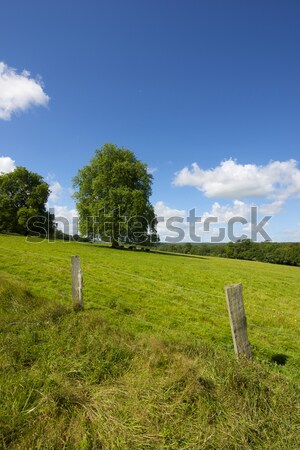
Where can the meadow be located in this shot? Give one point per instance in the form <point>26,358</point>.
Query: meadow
<point>149,363</point>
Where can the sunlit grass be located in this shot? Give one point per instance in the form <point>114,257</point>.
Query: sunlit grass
<point>149,363</point>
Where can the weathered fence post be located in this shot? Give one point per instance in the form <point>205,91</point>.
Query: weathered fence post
<point>77,283</point>
<point>238,321</point>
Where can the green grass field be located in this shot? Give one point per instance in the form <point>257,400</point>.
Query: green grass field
<point>149,364</point>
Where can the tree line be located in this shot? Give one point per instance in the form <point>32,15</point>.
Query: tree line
<point>287,253</point>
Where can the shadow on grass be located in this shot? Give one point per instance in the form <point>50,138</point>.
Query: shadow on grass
<point>134,249</point>
<point>159,252</point>
<point>279,358</point>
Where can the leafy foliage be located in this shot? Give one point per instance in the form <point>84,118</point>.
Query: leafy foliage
<point>23,196</point>
<point>113,197</point>
<point>287,253</point>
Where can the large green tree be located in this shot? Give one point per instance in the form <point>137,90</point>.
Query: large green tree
<point>112,194</point>
<point>23,195</point>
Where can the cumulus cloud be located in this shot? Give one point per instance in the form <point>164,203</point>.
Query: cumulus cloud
<point>196,226</point>
<point>56,191</point>
<point>272,208</point>
<point>6,164</point>
<point>241,209</point>
<point>18,91</point>
<point>66,219</point>
<point>60,204</point>
<point>231,180</point>
<point>225,212</point>
<point>164,212</point>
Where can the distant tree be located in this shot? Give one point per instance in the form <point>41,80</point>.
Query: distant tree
<point>112,194</point>
<point>23,196</point>
<point>272,252</point>
<point>186,248</point>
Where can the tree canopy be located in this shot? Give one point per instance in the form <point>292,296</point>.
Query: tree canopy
<point>112,194</point>
<point>23,195</point>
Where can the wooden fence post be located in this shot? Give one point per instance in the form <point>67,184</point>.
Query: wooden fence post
<point>77,283</point>
<point>238,321</point>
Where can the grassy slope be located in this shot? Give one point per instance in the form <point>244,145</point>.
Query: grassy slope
<point>149,363</point>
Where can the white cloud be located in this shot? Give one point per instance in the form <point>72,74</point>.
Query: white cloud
<point>225,212</point>
<point>6,164</point>
<point>241,209</point>
<point>270,209</point>
<point>66,219</point>
<point>56,191</point>
<point>65,216</point>
<point>18,92</point>
<point>204,228</point>
<point>151,170</point>
<point>164,212</point>
<point>232,180</point>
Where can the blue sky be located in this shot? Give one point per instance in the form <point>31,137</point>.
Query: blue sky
<point>176,82</point>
